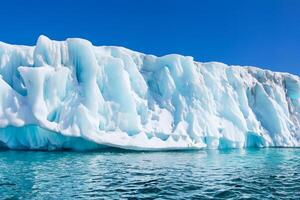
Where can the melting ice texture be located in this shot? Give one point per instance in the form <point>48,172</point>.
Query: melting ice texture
<point>73,95</point>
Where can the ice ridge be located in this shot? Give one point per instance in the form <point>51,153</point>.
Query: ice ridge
<point>71,94</point>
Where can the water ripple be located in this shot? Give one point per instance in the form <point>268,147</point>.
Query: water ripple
<point>234,174</point>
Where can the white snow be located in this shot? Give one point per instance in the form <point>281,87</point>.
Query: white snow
<point>71,94</point>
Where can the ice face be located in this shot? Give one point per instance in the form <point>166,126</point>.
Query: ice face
<point>71,94</point>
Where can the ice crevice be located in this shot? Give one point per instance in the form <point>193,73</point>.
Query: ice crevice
<point>73,95</point>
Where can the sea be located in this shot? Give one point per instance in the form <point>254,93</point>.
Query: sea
<point>266,173</point>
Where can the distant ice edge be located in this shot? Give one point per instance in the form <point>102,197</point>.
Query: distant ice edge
<point>73,95</point>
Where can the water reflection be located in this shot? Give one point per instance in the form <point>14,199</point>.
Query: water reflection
<point>253,173</point>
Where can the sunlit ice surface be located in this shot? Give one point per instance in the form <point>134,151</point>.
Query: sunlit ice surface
<point>73,95</point>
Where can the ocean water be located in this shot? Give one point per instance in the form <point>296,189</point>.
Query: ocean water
<point>111,174</point>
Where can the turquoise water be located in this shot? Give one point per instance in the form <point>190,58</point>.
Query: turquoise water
<point>207,174</point>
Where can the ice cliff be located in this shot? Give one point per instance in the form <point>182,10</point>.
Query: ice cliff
<point>71,94</point>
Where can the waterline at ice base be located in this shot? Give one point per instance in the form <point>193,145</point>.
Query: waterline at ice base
<point>73,95</point>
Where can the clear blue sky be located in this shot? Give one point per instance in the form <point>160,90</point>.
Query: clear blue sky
<point>264,33</point>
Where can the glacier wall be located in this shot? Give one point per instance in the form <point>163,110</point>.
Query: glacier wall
<point>71,94</point>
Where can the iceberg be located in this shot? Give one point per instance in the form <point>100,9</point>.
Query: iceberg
<point>73,95</point>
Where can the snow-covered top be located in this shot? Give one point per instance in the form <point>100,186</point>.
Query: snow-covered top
<point>112,96</point>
